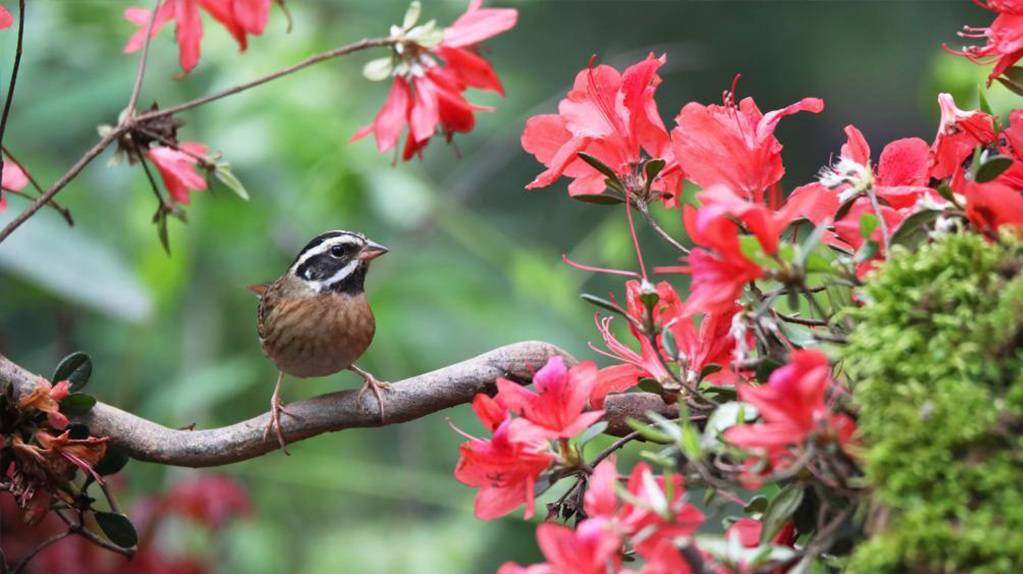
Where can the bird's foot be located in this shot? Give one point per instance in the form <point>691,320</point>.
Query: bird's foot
<point>372,384</point>
<point>274,424</point>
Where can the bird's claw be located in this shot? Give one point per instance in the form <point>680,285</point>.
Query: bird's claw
<point>372,384</point>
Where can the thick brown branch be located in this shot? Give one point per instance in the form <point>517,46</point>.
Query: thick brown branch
<point>407,400</point>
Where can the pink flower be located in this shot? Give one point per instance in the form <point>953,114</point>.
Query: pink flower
<point>589,549</point>
<point>664,558</point>
<point>659,512</point>
<point>6,20</point>
<point>14,179</point>
<point>556,408</point>
<point>427,93</point>
<point>504,468</point>
<point>177,169</point>
<point>733,145</point>
<point>208,500</point>
<point>792,406</point>
<point>902,170</point>
<point>601,500</point>
<point>1004,37</point>
<point>612,117</point>
<point>709,344</point>
<point>239,17</point>
<point>991,205</point>
<point>958,135</point>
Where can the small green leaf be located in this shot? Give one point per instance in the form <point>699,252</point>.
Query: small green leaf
<point>756,504</point>
<point>867,250</point>
<point>1012,86</point>
<point>112,462</point>
<point>592,432</point>
<point>992,168</point>
<point>605,198</point>
<point>781,508</point>
<point>77,431</point>
<point>602,303</point>
<point>598,165</point>
<point>649,386</point>
<point>76,369</point>
<point>669,344</point>
<point>161,232</point>
<point>118,529</point>
<point>914,230</point>
<point>946,192</point>
<point>77,404</point>
<point>648,432</point>
<point>868,223</point>
<point>766,367</point>
<point>223,173</point>
<point>982,99</point>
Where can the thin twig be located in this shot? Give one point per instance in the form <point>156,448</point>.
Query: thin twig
<point>64,212</point>
<point>45,198</point>
<point>137,87</point>
<point>42,546</point>
<point>652,221</point>
<point>80,529</point>
<point>14,78</point>
<point>876,206</point>
<point>800,320</point>
<point>337,52</point>
<point>149,176</point>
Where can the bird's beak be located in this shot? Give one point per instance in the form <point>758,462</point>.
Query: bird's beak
<point>371,251</point>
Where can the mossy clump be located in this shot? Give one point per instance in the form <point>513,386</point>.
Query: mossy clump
<point>936,368</point>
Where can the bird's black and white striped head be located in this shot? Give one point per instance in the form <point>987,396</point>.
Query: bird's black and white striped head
<point>336,261</point>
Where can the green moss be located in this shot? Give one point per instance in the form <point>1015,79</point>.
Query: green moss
<point>936,367</point>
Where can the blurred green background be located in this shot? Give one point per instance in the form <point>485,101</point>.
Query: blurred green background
<point>474,258</point>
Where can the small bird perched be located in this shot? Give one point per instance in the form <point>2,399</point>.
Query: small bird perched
<point>314,320</point>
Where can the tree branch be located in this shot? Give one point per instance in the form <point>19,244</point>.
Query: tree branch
<point>14,78</point>
<point>407,400</point>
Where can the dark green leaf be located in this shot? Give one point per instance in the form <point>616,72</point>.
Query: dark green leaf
<point>78,431</point>
<point>992,168</point>
<point>161,232</point>
<point>602,303</point>
<point>709,369</point>
<point>766,367</point>
<point>914,229</point>
<point>781,508</point>
<point>1014,73</point>
<point>846,205</point>
<point>598,165</point>
<point>1012,86</point>
<point>946,193</point>
<point>76,369</point>
<point>756,504</point>
<point>605,198</point>
<point>77,404</point>
<point>112,462</point>
<point>648,432</point>
<point>118,529</point>
<point>543,483</point>
<point>650,386</point>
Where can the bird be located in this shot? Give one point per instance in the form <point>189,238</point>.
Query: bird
<point>315,319</point>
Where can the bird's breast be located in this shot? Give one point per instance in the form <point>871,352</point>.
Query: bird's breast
<point>318,335</point>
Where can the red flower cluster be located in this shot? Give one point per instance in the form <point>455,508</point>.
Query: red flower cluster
<point>431,72</point>
<point>1004,37</point>
<point>653,516</point>
<point>239,17</point>
<point>612,117</point>
<point>177,169</point>
<point>505,467</point>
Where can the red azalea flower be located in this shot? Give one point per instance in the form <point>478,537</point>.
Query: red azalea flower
<point>1004,37</point>
<point>14,179</point>
<point>792,406</point>
<point>733,145</point>
<point>82,453</point>
<point>991,205</point>
<point>504,468</point>
<point>589,549</point>
<point>601,499</point>
<point>612,117</point>
<point>431,76</point>
<point>209,500</point>
<point>665,558</point>
<point>902,170</point>
<point>958,135</point>
<point>490,411</point>
<point>556,408</point>
<point>709,344</point>
<point>177,169</point>
<point>6,20</point>
<point>239,17</point>
<point>650,512</point>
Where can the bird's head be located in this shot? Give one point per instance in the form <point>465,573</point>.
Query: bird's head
<point>336,261</point>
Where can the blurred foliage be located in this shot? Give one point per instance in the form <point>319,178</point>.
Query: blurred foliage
<point>938,374</point>
<point>474,259</point>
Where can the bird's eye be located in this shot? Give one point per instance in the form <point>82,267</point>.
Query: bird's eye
<point>337,251</point>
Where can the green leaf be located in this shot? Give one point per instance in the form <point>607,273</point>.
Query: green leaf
<point>112,462</point>
<point>77,404</point>
<point>992,168</point>
<point>756,504</point>
<point>845,206</point>
<point>75,368</point>
<point>649,386</point>
<point>592,432</point>
<point>982,99</point>
<point>598,165</point>
<point>1013,87</point>
<point>809,245</point>
<point>946,192</point>
<point>781,508</point>
<point>602,303</point>
<point>914,230</point>
<point>118,529</point>
<point>867,250</point>
<point>648,432</point>
<point>224,175</point>
<point>868,223</point>
<point>605,198</point>
<point>669,344</point>
<point>161,232</point>
<point>77,431</point>
<point>766,367</point>
<point>724,417</point>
